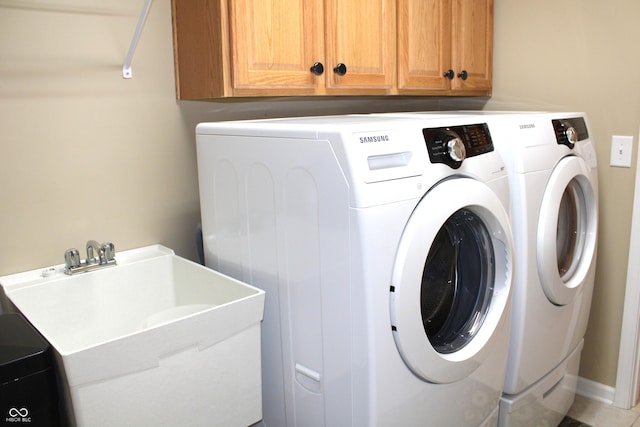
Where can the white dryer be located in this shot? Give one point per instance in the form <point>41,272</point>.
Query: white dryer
<point>385,250</point>
<point>552,167</point>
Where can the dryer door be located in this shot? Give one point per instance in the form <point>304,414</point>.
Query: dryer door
<point>567,228</point>
<point>451,280</point>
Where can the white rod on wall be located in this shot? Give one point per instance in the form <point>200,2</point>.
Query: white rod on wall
<point>126,67</point>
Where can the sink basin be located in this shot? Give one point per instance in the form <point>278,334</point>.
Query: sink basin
<point>149,340</point>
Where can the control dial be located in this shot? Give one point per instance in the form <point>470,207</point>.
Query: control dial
<point>572,135</point>
<point>453,147</point>
<point>456,149</point>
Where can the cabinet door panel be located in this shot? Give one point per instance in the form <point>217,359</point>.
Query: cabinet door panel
<point>360,34</point>
<point>275,43</point>
<point>424,44</point>
<point>473,43</point>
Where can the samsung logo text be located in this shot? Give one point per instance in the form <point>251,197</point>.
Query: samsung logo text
<point>528,126</point>
<point>374,138</point>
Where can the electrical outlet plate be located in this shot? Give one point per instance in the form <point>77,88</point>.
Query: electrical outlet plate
<point>621,147</point>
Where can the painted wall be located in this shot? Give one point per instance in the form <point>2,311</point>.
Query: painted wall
<point>86,154</point>
<point>582,55</point>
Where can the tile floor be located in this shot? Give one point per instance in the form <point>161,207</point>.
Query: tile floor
<point>598,414</point>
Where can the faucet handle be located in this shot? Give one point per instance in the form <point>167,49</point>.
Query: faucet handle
<point>71,258</point>
<point>109,251</point>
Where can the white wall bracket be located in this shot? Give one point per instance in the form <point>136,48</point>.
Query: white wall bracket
<point>126,67</point>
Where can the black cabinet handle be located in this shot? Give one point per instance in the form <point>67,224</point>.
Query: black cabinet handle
<point>463,75</point>
<point>317,68</point>
<point>449,74</point>
<point>340,69</point>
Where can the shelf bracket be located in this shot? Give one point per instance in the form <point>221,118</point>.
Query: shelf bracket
<point>126,67</point>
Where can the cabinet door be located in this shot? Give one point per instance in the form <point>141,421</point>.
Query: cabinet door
<point>473,43</point>
<point>274,44</point>
<point>361,35</point>
<point>424,44</point>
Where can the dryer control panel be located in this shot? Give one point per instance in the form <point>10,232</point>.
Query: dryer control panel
<point>451,145</point>
<point>570,131</point>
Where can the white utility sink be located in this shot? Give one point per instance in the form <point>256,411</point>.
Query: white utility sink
<point>156,340</point>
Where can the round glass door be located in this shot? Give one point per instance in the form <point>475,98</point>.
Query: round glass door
<point>451,280</point>
<point>457,282</point>
<point>566,241</point>
<point>571,230</point>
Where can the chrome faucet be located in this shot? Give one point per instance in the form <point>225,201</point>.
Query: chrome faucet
<point>105,257</point>
<point>92,246</point>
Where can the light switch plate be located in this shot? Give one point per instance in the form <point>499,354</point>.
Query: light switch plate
<point>621,147</point>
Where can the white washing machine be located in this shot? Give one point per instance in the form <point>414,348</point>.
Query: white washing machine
<point>385,250</point>
<point>552,167</point>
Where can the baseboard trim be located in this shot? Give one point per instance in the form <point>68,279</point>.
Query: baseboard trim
<point>595,391</point>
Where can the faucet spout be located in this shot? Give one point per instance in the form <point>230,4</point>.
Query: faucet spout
<point>93,246</point>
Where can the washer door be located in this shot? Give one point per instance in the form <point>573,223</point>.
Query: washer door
<point>451,280</point>
<point>567,227</point>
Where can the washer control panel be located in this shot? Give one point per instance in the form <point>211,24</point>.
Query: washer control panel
<point>570,131</point>
<point>451,145</point>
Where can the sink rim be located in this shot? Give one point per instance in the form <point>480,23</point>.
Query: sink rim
<point>41,276</point>
<point>16,284</point>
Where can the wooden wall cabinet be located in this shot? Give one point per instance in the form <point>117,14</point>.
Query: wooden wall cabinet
<point>226,48</point>
<point>445,47</point>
